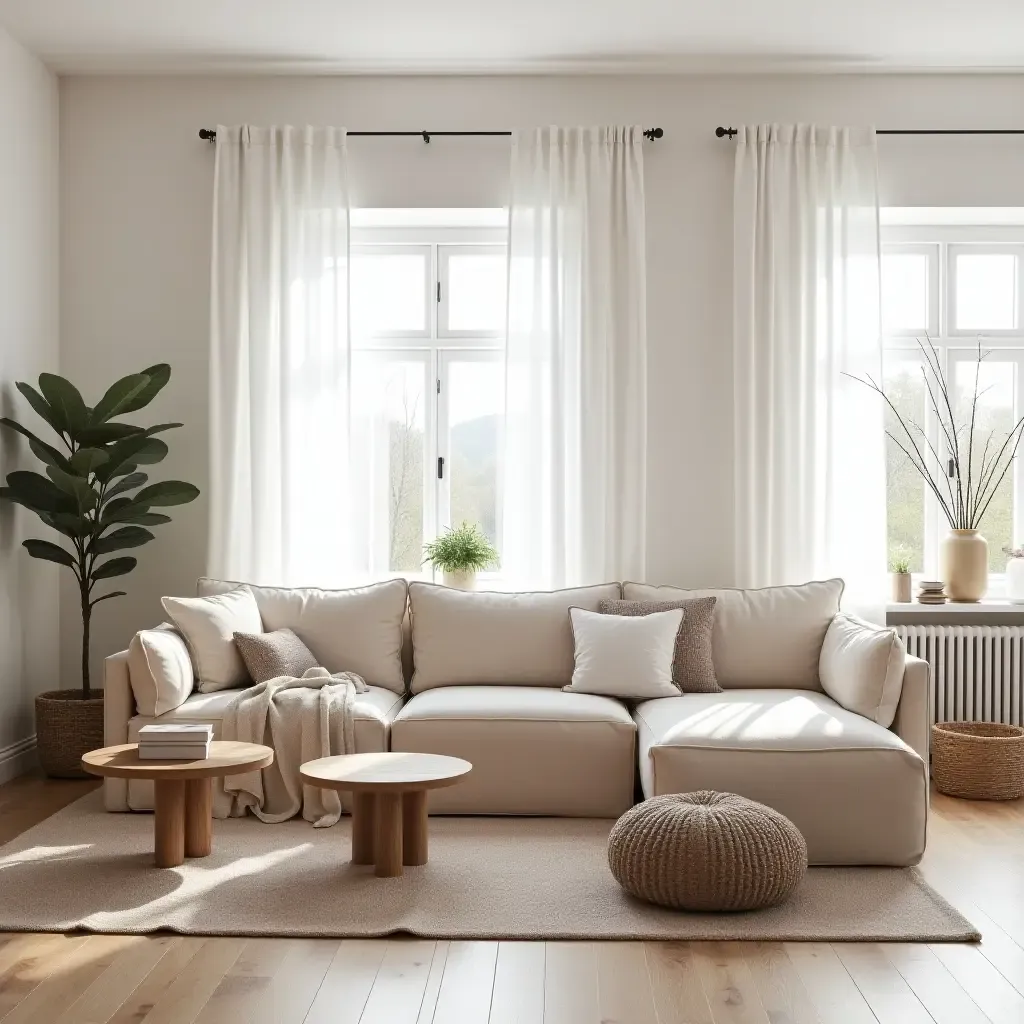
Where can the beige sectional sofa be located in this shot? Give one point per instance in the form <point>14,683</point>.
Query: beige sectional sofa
<point>480,676</point>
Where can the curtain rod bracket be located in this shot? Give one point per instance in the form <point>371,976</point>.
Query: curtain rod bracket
<point>426,138</point>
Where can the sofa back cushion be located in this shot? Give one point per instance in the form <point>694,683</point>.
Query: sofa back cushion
<point>470,638</point>
<point>357,630</point>
<point>159,670</point>
<point>770,637</point>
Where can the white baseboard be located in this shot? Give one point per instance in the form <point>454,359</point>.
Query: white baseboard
<point>17,758</point>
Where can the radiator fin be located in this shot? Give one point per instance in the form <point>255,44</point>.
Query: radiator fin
<point>976,670</point>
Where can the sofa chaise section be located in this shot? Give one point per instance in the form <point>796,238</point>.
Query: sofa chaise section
<point>534,749</point>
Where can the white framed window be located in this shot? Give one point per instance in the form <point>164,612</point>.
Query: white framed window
<point>428,381</point>
<point>954,285</point>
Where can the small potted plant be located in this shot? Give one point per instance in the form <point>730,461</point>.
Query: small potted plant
<point>1014,574</point>
<point>460,553</point>
<point>901,589</point>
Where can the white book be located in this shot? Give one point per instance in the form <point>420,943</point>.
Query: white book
<point>176,752</point>
<point>199,733</point>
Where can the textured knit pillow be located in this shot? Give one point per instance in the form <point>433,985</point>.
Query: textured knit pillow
<point>269,655</point>
<point>693,669</point>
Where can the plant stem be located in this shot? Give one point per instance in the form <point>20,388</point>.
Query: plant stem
<point>86,618</point>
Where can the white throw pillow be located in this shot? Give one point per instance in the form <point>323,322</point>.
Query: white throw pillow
<point>160,670</point>
<point>208,625</point>
<point>862,668</point>
<point>624,656</point>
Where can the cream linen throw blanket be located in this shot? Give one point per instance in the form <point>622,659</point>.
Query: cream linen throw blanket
<point>302,718</point>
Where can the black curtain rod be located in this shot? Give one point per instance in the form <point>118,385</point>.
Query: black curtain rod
<point>210,134</point>
<point>729,133</point>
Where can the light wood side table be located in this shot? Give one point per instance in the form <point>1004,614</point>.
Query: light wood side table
<point>389,802</point>
<point>182,791</point>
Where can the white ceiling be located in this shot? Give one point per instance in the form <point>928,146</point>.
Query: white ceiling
<point>585,36</point>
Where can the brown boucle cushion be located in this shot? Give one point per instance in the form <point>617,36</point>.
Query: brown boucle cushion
<point>693,669</point>
<point>269,655</point>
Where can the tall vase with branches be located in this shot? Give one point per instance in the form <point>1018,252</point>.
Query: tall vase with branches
<point>963,467</point>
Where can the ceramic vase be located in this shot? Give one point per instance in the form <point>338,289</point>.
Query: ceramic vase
<point>1015,580</point>
<point>963,558</point>
<point>460,580</point>
<point>901,587</point>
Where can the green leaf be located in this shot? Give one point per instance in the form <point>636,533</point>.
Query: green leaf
<point>68,523</point>
<point>38,403</point>
<point>118,398</point>
<point>85,460</point>
<point>127,483</point>
<point>121,509</point>
<point>168,492</point>
<point>65,401</point>
<point>50,552</point>
<point>158,376</point>
<point>34,491</point>
<point>152,452</point>
<point>115,567</point>
<point>147,519</point>
<point>47,453</point>
<point>107,432</point>
<point>74,485</point>
<point>130,452</point>
<point>126,470</point>
<point>160,427</point>
<point>107,597</point>
<point>126,537</point>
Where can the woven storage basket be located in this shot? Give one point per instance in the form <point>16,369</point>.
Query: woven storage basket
<point>66,728</point>
<point>978,760</point>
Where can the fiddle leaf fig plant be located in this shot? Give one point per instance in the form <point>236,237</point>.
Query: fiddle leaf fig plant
<point>93,494</point>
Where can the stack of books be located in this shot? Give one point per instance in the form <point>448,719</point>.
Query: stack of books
<point>931,593</point>
<point>175,742</point>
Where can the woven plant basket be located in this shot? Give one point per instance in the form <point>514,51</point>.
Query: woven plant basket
<point>978,760</point>
<point>66,728</point>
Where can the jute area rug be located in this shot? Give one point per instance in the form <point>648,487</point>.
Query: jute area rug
<point>493,878</point>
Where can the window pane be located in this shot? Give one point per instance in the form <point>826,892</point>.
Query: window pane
<point>476,398</point>
<point>986,292</point>
<point>389,293</point>
<point>905,490</point>
<point>389,449</point>
<point>476,292</point>
<point>992,422</point>
<point>905,291</point>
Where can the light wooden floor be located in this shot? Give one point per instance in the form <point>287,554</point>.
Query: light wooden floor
<point>975,857</point>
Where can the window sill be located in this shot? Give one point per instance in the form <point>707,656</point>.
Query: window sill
<point>997,608</point>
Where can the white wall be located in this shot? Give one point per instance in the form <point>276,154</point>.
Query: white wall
<point>137,191</point>
<point>28,345</point>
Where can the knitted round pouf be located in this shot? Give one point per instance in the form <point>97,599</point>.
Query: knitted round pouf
<point>707,851</point>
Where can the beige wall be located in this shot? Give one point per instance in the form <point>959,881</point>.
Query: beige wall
<point>136,187</point>
<point>28,345</point>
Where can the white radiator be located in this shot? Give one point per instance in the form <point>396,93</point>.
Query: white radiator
<point>976,671</point>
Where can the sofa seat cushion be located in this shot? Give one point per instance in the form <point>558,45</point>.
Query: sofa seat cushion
<point>534,750</point>
<point>855,790</point>
<point>373,712</point>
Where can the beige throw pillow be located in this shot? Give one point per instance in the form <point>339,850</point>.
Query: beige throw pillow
<point>208,625</point>
<point>693,667</point>
<point>862,668</point>
<point>269,655</point>
<point>160,670</point>
<point>624,656</point>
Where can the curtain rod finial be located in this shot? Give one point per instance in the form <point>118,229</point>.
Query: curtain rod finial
<point>653,133</point>
<point>208,134</point>
<point>722,133</point>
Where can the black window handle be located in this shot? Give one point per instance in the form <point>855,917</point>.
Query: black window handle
<point>440,468</point>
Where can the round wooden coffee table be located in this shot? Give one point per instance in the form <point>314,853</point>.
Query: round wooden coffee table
<point>182,791</point>
<point>389,802</point>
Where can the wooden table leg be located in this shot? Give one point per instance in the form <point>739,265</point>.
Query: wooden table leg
<point>169,822</point>
<point>198,817</point>
<point>363,827</point>
<point>388,860</point>
<point>414,828</point>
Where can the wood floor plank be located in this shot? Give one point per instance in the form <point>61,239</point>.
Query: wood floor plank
<point>174,962</point>
<point>828,983</point>
<point>467,983</point>
<point>675,984</point>
<point>933,985</point>
<point>26,961</point>
<point>782,993</point>
<point>570,983</point>
<point>623,984</point>
<point>728,984</point>
<point>891,999</point>
<point>346,984</point>
<point>401,982</point>
<point>518,996</point>
<point>998,999</point>
<point>433,989</point>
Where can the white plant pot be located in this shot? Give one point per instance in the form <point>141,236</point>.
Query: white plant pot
<point>963,558</point>
<point>901,588</point>
<point>1015,580</point>
<point>460,580</point>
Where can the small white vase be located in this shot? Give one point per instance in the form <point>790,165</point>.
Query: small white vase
<point>1015,580</point>
<point>963,559</point>
<point>460,580</point>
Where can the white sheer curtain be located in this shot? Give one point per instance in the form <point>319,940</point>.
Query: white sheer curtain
<point>809,441</point>
<point>576,418</point>
<point>279,409</point>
